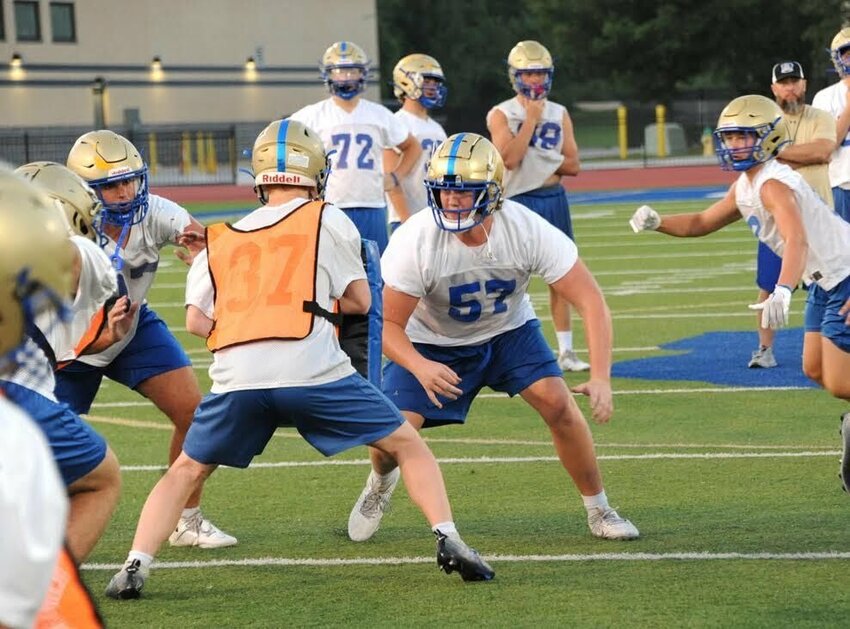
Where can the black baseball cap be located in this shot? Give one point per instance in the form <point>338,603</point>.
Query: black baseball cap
<point>787,69</point>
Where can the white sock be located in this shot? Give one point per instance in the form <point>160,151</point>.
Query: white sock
<point>599,501</point>
<point>565,341</point>
<point>446,528</point>
<point>188,513</point>
<point>144,559</point>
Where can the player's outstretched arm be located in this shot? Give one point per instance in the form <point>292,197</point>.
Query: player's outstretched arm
<point>691,224</point>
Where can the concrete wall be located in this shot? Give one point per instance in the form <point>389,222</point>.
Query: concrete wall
<point>203,46</point>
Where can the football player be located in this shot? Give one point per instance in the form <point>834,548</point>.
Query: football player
<point>786,214</point>
<point>357,131</point>
<point>36,279</point>
<point>811,141</point>
<point>457,318</point>
<point>136,225</point>
<point>535,138</point>
<point>89,468</point>
<point>834,99</point>
<point>419,85</point>
<point>279,362</point>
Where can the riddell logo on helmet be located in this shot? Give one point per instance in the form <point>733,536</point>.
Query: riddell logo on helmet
<point>282,178</point>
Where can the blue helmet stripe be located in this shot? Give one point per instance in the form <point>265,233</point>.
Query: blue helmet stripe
<point>450,169</point>
<point>281,146</point>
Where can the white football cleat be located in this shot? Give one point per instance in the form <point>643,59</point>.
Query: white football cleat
<point>607,524</point>
<point>568,361</point>
<point>763,357</point>
<point>197,531</point>
<point>374,500</point>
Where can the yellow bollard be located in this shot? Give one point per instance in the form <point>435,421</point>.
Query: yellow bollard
<point>622,132</point>
<point>152,158</point>
<point>660,114</point>
<point>707,142</point>
<point>201,151</point>
<point>212,160</point>
<point>186,154</point>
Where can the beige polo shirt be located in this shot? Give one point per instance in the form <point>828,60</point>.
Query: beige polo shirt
<point>812,124</point>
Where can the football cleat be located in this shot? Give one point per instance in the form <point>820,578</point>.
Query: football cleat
<point>197,531</point>
<point>128,582</point>
<point>374,500</point>
<point>762,357</point>
<point>844,472</point>
<point>454,555</point>
<point>607,524</point>
<point>569,361</point>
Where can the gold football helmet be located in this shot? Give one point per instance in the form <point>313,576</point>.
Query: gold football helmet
<point>77,201</point>
<point>345,68</point>
<point>104,158</point>
<point>840,44</point>
<point>409,77</point>
<point>288,152</point>
<point>754,116</point>
<point>36,261</point>
<point>527,57</point>
<point>465,162</point>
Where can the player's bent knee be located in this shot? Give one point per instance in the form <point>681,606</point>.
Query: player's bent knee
<point>813,372</point>
<point>190,470</point>
<point>837,385</point>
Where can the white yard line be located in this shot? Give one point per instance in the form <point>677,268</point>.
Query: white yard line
<point>135,423</point>
<point>484,460</point>
<point>395,561</point>
<point>694,391</point>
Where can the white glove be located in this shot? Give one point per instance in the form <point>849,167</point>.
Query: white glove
<point>645,218</point>
<point>774,309</point>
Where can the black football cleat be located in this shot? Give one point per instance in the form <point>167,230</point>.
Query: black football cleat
<point>127,583</point>
<point>453,555</point>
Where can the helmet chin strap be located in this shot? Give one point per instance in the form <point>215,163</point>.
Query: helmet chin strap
<point>115,258</point>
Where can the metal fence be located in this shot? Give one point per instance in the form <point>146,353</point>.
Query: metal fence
<point>175,155</point>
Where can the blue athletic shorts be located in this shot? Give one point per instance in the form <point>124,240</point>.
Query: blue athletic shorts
<point>77,448</point>
<point>371,222</point>
<point>841,198</point>
<point>509,362</point>
<point>550,203</point>
<point>232,428</point>
<point>768,265</point>
<point>153,351</point>
<point>822,316</point>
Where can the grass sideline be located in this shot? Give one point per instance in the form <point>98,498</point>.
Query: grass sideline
<point>735,492</point>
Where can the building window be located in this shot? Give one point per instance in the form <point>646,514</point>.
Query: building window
<point>27,22</point>
<point>62,23</point>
